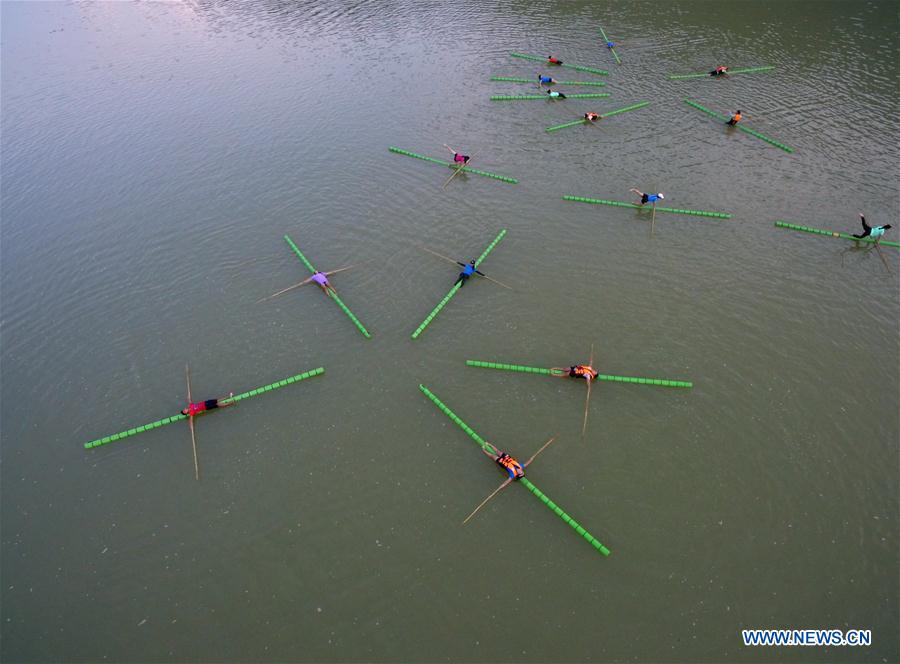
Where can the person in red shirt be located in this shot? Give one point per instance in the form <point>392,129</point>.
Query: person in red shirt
<point>553,61</point>
<point>209,404</point>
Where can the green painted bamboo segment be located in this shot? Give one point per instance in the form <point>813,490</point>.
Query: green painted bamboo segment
<point>456,287</point>
<point>633,107</point>
<point>509,367</point>
<point>467,169</point>
<point>606,41</point>
<point>179,416</point>
<point>350,314</point>
<point>577,527</point>
<point>673,77</point>
<point>662,382</point>
<point>533,81</point>
<point>331,294</point>
<point>843,236</point>
<point>601,72</point>
<point>593,541</point>
<point>744,129</point>
<point>582,121</point>
<point>456,420</point>
<point>590,95</point>
<point>602,116</point>
<point>131,432</point>
<point>434,312</point>
<point>300,255</point>
<point>603,201</point>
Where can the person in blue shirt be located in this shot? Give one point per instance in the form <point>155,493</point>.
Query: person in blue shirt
<point>875,232</point>
<point>468,271</point>
<point>610,45</point>
<point>546,80</point>
<point>648,198</point>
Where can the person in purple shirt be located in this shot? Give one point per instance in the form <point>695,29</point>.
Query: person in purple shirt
<point>648,198</point>
<point>321,278</point>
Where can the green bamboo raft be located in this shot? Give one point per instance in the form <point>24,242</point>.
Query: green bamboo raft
<point>750,70</point>
<point>744,129</point>
<point>591,95</point>
<point>465,169</point>
<point>582,121</point>
<point>662,382</point>
<point>843,236</point>
<point>332,294</point>
<point>600,72</point>
<point>456,287</point>
<point>603,201</point>
<point>179,416</point>
<point>613,50</point>
<point>524,481</point>
<point>533,81</point>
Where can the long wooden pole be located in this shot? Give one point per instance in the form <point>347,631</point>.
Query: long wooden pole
<point>187,371</point>
<point>450,260</point>
<point>458,170</point>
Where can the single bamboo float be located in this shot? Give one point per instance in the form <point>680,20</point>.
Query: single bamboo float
<point>331,294</point>
<point>740,126</point>
<point>613,49</point>
<point>583,121</point>
<point>524,481</point>
<point>465,169</point>
<point>603,201</point>
<point>177,418</point>
<point>662,382</point>
<point>456,287</point>
<point>599,72</point>
<point>843,236</point>
<point>591,95</point>
<point>750,70</point>
<point>516,79</point>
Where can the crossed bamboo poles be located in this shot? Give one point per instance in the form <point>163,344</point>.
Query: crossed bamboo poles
<point>327,289</point>
<point>559,372</point>
<point>524,481</point>
<point>226,401</point>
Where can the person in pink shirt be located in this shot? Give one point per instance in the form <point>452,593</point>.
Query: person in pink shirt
<point>458,159</point>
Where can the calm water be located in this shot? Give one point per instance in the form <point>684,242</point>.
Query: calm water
<point>155,154</point>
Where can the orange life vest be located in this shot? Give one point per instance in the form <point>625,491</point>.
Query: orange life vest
<point>512,466</point>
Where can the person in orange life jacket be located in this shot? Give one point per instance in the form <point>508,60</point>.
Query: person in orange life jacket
<point>576,371</point>
<point>553,61</point>
<point>647,198</point>
<point>875,232</point>
<point>508,463</point>
<point>593,117</point>
<point>468,271</point>
<point>719,71</point>
<point>458,159</point>
<point>735,118</point>
<point>209,404</point>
